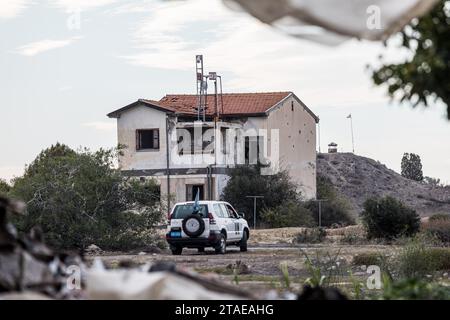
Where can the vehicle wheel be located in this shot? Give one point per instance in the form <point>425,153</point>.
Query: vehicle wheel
<point>221,247</point>
<point>201,250</point>
<point>176,251</point>
<point>243,243</point>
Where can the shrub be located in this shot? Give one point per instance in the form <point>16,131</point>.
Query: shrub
<point>389,218</point>
<point>416,260</point>
<point>311,235</point>
<point>440,258</point>
<point>291,214</point>
<point>336,210</point>
<point>78,199</point>
<point>439,228</point>
<point>414,289</point>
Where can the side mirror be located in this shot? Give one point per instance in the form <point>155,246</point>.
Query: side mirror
<point>241,215</point>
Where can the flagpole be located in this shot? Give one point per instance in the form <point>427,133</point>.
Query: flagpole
<point>353,137</point>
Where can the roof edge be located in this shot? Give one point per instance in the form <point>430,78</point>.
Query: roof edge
<point>150,104</point>
<point>291,94</point>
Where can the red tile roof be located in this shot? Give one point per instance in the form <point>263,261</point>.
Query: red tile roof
<point>233,103</point>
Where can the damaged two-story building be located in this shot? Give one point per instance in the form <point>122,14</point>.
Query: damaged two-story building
<point>166,140</point>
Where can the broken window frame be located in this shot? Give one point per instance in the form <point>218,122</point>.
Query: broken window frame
<point>155,139</point>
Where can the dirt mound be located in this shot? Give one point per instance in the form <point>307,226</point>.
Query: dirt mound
<point>359,178</point>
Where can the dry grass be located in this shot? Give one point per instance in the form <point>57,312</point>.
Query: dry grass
<point>288,235</point>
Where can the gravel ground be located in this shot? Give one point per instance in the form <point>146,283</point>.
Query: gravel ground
<point>259,267</point>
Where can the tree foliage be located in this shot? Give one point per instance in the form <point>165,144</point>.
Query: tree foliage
<point>425,75</point>
<point>246,181</point>
<point>78,198</point>
<point>389,218</point>
<point>282,205</point>
<point>4,187</point>
<point>412,167</point>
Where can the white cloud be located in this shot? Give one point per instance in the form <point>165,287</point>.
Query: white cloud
<point>258,57</point>
<point>38,47</point>
<point>101,125</point>
<point>12,8</point>
<point>70,5</point>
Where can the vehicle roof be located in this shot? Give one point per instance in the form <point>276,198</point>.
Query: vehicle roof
<point>201,202</point>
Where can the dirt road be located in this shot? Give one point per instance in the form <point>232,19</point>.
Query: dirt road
<point>259,268</point>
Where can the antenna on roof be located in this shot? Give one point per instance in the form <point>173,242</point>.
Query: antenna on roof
<point>202,88</point>
<point>202,91</point>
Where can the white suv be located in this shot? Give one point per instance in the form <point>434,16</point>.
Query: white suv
<point>216,224</point>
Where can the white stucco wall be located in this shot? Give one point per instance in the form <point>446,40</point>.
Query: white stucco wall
<point>141,118</point>
<point>297,134</point>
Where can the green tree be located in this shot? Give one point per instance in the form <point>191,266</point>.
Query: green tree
<point>424,77</point>
<point>78,198</point>
<point>412,167</point>
<point>245,181</point>
<point>4,187</point>
<point>389,218</point>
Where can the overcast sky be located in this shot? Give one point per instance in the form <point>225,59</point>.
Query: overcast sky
<point>59,79</point>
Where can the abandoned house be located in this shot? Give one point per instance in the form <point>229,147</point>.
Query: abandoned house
<point>169,141</point>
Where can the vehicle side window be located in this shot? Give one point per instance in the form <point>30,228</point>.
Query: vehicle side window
<point>224,211</point>
<point>218,210</point>
<point>231,212</point>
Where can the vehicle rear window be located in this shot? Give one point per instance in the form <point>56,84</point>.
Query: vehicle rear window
<point>183,210</point>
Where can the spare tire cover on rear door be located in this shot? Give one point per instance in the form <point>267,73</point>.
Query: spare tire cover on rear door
<point>193,225</point>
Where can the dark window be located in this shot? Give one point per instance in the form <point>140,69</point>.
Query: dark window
<point>231,212</point>
<point>254,150</point>
<point>191,192</point>
<point>183,210</point>
<point>147,139</point>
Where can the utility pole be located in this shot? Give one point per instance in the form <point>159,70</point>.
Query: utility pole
<point>254,208</point>
<point>319,201</point>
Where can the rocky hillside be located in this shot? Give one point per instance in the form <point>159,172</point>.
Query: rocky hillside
<point>359,178</point>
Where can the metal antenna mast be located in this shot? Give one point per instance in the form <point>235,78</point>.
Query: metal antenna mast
<point>202,88</point>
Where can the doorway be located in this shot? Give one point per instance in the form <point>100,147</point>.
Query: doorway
<point>192,189</point>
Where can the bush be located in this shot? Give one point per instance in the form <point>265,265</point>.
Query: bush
<point>311,235</point>
<point>414,289</point>
<point>335,210</point>
<point>439,228</point>
<point>389,218</point>
<point>416,260</point>
<point>78,199</point>
<point>291,214</point>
